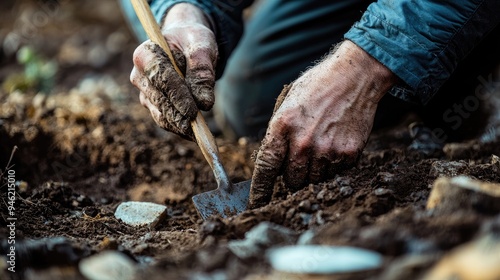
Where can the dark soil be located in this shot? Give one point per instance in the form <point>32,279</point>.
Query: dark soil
<point>84,149</point>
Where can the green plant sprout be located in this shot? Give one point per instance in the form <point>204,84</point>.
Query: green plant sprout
<point>38,75</point>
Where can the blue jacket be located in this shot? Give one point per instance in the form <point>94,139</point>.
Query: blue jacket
<point>420,41</point>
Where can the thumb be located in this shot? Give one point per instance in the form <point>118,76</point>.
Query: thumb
<point>200,77</point>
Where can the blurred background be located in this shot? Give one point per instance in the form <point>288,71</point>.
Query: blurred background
<point>54,46</point>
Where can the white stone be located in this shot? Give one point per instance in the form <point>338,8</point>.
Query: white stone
<point>136,213</point>
<point>322,259</point>
<point>108,265</point>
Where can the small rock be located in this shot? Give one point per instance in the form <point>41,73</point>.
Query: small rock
<point>135,213</point>
<point>385,178</point>
<point>315,207</point>
<point>321,194</point>
<point>290,213</point>
<point>382,192</point>
<point>343,181</point>
<point>321,259</point>
<point>495,160</point>
<point>319,217</point>
<point>306,237</point>
<point>459,193</point>
<point>478,259</point>
<point>261,237</point>
<point>214,226</point>
<point>306,218</point>
<point>108,265</point>
<point>305,206</point>
<point>346,191</point>
<point>444,168</point>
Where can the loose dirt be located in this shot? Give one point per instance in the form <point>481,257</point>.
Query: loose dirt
<point>90,145</point>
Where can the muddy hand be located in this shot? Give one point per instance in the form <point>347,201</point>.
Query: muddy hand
<point>173,101</point>
<point>323,123</point>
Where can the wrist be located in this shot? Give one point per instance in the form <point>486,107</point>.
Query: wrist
<point>360,65</point>
<point>186,13</point>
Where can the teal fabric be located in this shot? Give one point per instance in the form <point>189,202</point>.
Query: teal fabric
<point>423,41</point>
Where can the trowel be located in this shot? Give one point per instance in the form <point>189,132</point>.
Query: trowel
<point>228,199</point>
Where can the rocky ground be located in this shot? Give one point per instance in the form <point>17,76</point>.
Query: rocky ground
<point>85,145</point>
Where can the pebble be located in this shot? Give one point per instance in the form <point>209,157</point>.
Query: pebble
<point>385,178</point>
<point>306,237</point>
<point>321,194</point>
<point>343,181</point>
<point>346,191</point>
<point>475,260</point>
<point>140,214</point>
<point>306,218</point>
<point>322,259</point>
<point>382,192</point>
<point>261,237</point>
<point>444,168</point>
<point>108,265</point>
<point>460,193</point>
<point>305,206</point>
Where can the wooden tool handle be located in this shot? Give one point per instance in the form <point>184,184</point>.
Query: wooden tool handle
<point>203,136</point>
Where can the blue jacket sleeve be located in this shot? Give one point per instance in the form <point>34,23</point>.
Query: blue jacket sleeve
<point>226,18</point>
<point>422,41</point>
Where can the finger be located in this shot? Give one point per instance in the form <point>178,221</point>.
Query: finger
<point>200,76</point>
<point>296,169</point>
<point>267,166</point>
<point>162,110</point>
<point>151,60</point>
<point>317,169</point>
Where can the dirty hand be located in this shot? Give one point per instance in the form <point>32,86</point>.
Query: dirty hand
<point>173,101</point>
<point>321,122</point>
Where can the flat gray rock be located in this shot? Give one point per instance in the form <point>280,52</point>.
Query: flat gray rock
<point>322,259</point>
<point>140,214</point>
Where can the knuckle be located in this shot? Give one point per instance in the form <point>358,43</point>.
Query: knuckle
<point>281,122</point>
<point>303,144</point>
<point>351,149</point>
<point>323,149</point>
<point>138,55</point>
<point>205,55</point>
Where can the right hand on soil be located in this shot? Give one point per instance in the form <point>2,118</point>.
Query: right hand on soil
<point>173,101</point>
<point>321,122</point>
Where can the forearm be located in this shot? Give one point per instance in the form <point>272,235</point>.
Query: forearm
<point>422,42</point>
